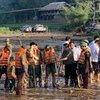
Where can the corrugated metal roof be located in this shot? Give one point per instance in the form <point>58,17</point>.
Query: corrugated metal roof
<point>54,6</point>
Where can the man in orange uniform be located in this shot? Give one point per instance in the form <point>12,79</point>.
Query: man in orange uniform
<point>21,62</point>
<point>5,53</point>
<point>49,59</point>
<point>34,62</point>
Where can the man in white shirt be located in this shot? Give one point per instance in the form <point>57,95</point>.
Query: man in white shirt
<point>94,56</point>
<point>93,42</point>
<point>76,55</point>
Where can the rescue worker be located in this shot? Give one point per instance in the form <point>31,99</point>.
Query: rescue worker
<point>5,53</point>
<point>37,64</point>
<point>70,70</point>
<point>11,74</point>
<point>34,68</point>
<point>84,64</point>
<point>21,62</point>
<point>8,45</point>
<point>29,55</point>
<point>49,59</point>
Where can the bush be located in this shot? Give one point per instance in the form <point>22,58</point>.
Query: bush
<point>65,28</point>
<point>6,30</point>
<point>96,33</point>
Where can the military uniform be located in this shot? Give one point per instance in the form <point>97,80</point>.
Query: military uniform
<point>84,64</point>
<point>11,74</point>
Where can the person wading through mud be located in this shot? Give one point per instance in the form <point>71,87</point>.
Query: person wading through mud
<point>21,62</point>
<point>76,55</point>
<point>94,55</point>
<point>5,53</point>
<point>70,70</point>
<point>37,63</point>
<point>11,74</point>
<point>84,64</point>
<point>34,68</point>
<point>49,59</point>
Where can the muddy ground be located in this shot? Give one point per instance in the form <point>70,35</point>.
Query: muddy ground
<point>56,40</point>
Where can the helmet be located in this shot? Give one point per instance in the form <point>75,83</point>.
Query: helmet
<point>7,39</point>
<point>86,41</point>
<point>82,44</point>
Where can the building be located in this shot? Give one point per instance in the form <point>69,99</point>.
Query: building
<point>51,11</point>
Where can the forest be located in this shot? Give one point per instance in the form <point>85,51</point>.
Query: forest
<point>18,11</point>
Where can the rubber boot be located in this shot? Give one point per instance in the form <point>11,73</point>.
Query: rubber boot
<point>72,83</point>
<point>66,82</point>
<point>76,83</point>
<point>46,83</point>
<point>85,82</point>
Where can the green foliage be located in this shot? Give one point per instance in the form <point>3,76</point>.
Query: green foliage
<point>96,33</point>
<point>76,17</point>
<point>6,30</point>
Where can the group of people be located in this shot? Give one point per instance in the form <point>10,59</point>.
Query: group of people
<point>27,63</point>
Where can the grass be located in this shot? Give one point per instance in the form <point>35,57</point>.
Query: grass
<point>51,26</point>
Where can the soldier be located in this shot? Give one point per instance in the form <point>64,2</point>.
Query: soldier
<point>5,53</point>
<point>37,63</point>
<point>84,64</point>
<point>21,62</point>
<point>11,74</point>
<point>8,45</point>
<point>34,68</point>
<point>49,59</point>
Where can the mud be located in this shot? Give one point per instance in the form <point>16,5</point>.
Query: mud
<point>56,40</point>
<point>93,93</point>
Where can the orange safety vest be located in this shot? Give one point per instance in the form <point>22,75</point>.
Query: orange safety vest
<point>9,75</point>
<point>4,57</point>
<point>49,56</point>
<point>82,56</point>
<point>18,54</point>
<point>29,58</point>
<point>36,52</point>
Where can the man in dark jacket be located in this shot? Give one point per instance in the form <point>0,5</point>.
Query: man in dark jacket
<point>68,60</point>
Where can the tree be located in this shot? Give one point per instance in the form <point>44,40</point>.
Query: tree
<point>77,16</point>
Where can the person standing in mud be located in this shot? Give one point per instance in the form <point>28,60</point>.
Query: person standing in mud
<point>5,53</point>
<point>49,59</point>
<point>29,55</point>
<point>37,64</point>
<point>76,55</point>
<point>11,74</point>
<point>94,55</point>
<point>70,70</point>
<point>21,62</point>
<point>34,64</point>
<point>84,64</point>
